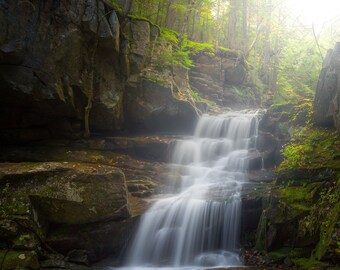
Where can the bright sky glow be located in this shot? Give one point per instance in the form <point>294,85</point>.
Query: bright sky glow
<point>317,12</point>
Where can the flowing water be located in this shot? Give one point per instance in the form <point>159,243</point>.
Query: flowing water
<point>200,225</point>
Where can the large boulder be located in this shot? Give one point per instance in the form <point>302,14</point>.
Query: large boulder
<point>152,106</point>
<point>327,98</point>
<point>69,193</point>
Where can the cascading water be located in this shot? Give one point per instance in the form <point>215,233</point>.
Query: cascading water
<point>199,227</point>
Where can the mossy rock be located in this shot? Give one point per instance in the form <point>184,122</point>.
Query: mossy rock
<point>19,260</point>
<point>73,193</point>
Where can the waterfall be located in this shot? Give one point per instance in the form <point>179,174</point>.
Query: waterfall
<point>200,225</point>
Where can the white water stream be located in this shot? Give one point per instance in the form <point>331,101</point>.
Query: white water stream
<point>200,226</point>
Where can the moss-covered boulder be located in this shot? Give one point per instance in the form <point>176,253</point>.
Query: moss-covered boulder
<point>71,193</point>
<point>19,260</point>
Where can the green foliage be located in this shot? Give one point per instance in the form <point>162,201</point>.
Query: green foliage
<point>323,217</point>
<point>170,36</point>
<point>261,234</point>
<point>299,111</point>
<point>116,6</point>
<point>171,54</point>
<point>139,17</point>
<point>312,148</point>
<point>196,47</point>
<point>170,57</point>
<point>8,207</point>
<point>300,65</point>
<point>196,96</point>
<point>182,59</point>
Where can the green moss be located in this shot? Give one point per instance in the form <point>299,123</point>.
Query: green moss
<point>141,18</point>
<point>261,234</point>
<point>305,263</point>
<point>155,78</point>
<point>326,230</point>
<point>312,148</point>
<point>280,254</point>
<point>299,193</point>
<point>116,6</point>
<point>196,47</point>
<point>17,260</point>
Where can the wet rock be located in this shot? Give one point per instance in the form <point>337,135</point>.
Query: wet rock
<point>266,176</point>
<point>8,229</point>
<point>92,242</point>
<point>27,241</point>
<point>72,193</point>
<point>254,159</point>
<point>236,74</point>
<point>327,98</point>
<point>254,196</point>
<point>153,107</point>
<point>221,78</point>
<point>78,256</point>
<point>14,260</point>
<point>59,263</point>
<point>142,187</point>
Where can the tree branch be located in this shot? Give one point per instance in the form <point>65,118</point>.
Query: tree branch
<point>254,41</point>
<point>317,43</point>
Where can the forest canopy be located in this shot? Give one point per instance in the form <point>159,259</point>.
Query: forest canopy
<point>283,41</point>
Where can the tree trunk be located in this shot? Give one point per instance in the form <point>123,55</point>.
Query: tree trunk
<point>168,24</point>
<point>184,28</point>
<point>245,24</point>
<point>217,24</point>
<point>232,23</point>
<point>192,34</point>
<point>264,75</point>
<point>275,72</point>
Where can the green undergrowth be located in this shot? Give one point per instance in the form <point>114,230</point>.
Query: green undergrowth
<point>180,54</point>
<point>298,112</point>
<point>312,148</point>
<point>117,6</point>
<point>305,204</point>
<point>313,210</point>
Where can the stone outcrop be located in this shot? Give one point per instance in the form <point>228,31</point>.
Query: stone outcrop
<point>221,77</point>
<point>151,107</point>
<point>65,206</point>
<point>61,185</point>
<point>327,98</point>
<point>55,57</point>
<point>48,54</point>
<point>68,193</point>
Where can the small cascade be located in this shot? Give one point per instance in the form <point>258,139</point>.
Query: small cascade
<point>200,226</point>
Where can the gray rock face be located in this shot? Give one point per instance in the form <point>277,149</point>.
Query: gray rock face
<point>48,54</point>
<point>68,193</point>
<point>151,106</point>
<point>46,65</point>
<point>327,98</point>
<point>220,77</point>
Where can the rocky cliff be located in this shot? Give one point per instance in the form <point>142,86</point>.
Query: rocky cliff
<point>65,62</point>
<point>327,99</point>
<point>222,77</point>
<point>62,59</point>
